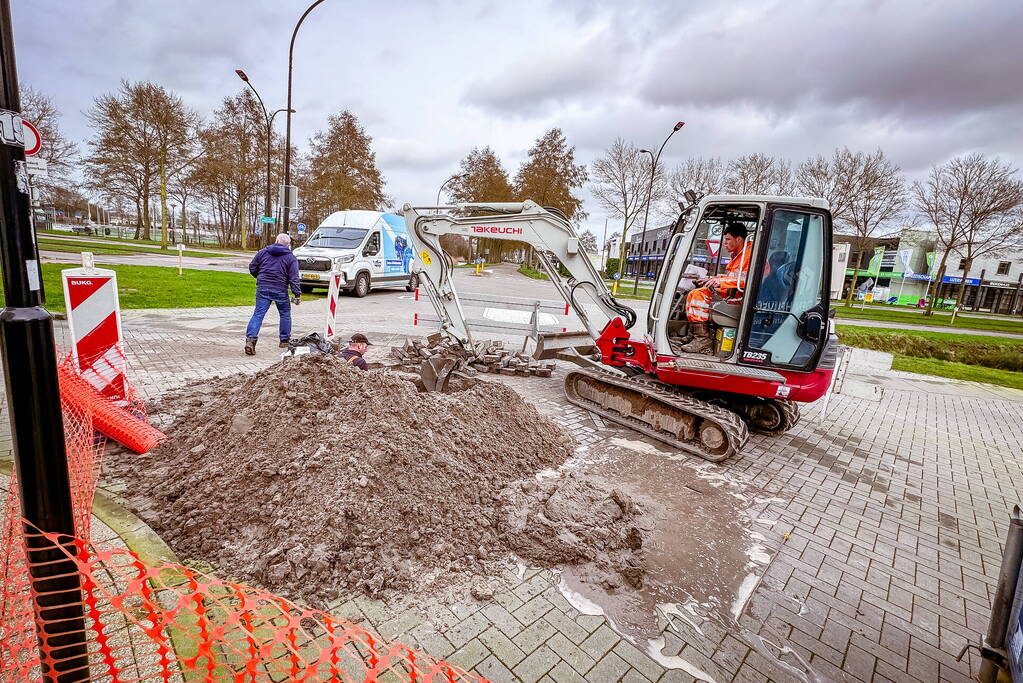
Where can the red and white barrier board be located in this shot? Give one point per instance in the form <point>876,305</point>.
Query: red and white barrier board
<point>94,319</point>
<point>333,292</point>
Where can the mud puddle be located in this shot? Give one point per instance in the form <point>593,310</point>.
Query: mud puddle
<point>704,557</point>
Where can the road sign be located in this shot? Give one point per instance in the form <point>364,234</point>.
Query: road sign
<point>301,228</point>
<point>258,229</point>
<point>33,140</point>
<point>267,219</point>
<point>616,276</point>
<point>36,166</point>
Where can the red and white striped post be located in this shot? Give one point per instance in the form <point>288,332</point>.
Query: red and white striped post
<point>330,321</point>
<point>94,320</point>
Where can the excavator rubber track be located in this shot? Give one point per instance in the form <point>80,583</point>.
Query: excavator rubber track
<point>675,418</point>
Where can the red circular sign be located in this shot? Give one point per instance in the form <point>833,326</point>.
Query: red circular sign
<point>33,140</point>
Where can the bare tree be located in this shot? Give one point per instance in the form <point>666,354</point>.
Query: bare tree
<point>867,192</point>
<point>621,183</point>
<point>703,175</point>
<point>58,151</point>
<point>976,206</point>
<point>758,174</point>
<point>834,179</point>
<point>588,242</point>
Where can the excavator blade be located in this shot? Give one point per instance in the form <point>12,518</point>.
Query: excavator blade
<point>435,373</point>
<point>551,345</point>
<point>673,417</point>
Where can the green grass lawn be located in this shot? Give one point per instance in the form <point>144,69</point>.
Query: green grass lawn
<point>106,238</point>
<point>978,358</point>
<point>962,321</point>
<point>972,373</point>
<point>158,287</point>
<point>123,249</point>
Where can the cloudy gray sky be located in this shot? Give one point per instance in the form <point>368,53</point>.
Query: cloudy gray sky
<point>431,79</point>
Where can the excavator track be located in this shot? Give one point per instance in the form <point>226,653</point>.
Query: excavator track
<point>675,418</point>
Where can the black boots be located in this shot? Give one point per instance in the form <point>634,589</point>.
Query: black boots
<point>250,346</point>
<point>285,344</point>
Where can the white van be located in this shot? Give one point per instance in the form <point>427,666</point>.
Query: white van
<point>370,249</point>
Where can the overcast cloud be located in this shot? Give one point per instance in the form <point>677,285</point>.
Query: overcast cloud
<point>430,80</point>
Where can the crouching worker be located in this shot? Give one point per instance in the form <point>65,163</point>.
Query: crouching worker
<point>357,346</point>
<point>275,269</point>
<point>698,300</point>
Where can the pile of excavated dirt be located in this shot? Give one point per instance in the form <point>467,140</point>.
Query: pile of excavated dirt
<point>313,479</point>
<point>575,519</point>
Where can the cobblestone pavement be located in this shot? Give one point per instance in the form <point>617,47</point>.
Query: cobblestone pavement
<point>886,518</point>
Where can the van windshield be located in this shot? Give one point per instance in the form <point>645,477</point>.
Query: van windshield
<point>337,238</point>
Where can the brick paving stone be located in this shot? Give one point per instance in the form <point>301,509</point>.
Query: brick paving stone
<point>503,619</point>
<point>610,668</point>
<point>467,629</point>
<point>432,641</point>
<point>469,655</point>
<point>536,665</point>
<point>493,669</point>
<point>638,660</point>
<point>498,643</point>
<point>566,626</point>
<point>571,653</point>
<point>563,673</point>
<point>600,642</point>
<point>534,635</point>
<point>532,610</point>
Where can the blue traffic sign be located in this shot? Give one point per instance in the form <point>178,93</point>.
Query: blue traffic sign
<point>301,228</point>
<point>616,276</point>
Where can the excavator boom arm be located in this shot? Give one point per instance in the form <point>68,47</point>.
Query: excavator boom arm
<point>551,236</point>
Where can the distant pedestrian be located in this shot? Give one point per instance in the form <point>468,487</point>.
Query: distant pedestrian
<point>276,270</point>
<point>357,346</point>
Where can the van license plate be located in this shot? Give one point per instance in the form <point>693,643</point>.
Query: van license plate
<point>310,276</point>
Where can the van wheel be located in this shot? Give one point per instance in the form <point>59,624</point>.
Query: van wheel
<point>306,289</point>
<point>361,288</point>
<point>413,282</point>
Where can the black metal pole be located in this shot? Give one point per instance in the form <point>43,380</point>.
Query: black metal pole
<point>1005,590</point>
<point>33,400</point>
<point>286,209</point>
<point>649,197</point>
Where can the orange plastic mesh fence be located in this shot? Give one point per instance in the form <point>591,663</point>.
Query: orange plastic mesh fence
<point>19,656</point>
<point>119,423</point>
<point>172,623</point>
<point>167,623</point>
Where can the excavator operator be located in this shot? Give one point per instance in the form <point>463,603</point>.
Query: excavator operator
<point>734,277</point>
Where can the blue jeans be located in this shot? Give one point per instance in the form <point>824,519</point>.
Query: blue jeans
<point>264,297</point>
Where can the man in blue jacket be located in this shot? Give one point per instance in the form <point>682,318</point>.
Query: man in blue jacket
<point>275,269</point>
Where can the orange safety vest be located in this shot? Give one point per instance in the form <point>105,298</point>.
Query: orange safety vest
<point>736,271</point>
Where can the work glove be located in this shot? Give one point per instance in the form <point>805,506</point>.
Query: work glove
<point>297,299</point>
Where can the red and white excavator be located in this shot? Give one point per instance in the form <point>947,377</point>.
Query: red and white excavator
<point>773,345</point>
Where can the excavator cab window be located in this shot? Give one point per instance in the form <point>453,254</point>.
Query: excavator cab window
<point>707,256</point>
<point>785,327</point>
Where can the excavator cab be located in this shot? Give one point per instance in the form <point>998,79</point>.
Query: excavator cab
<point>776,315</point>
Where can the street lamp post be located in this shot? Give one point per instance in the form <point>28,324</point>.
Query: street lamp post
<point>649,195</point>
<point>286,209</point>
<point>445,184</point>
<point>269,118</point>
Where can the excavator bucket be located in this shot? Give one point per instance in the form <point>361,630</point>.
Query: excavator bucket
<point>435,373</point>
<point>554,345</point>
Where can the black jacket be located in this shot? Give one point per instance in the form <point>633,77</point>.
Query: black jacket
<point>355,358</point>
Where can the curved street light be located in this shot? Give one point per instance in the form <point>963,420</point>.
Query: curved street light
<point>440,189</point>
<point>649,195</point>
<point>269,118</point>
<point>286,209</point>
